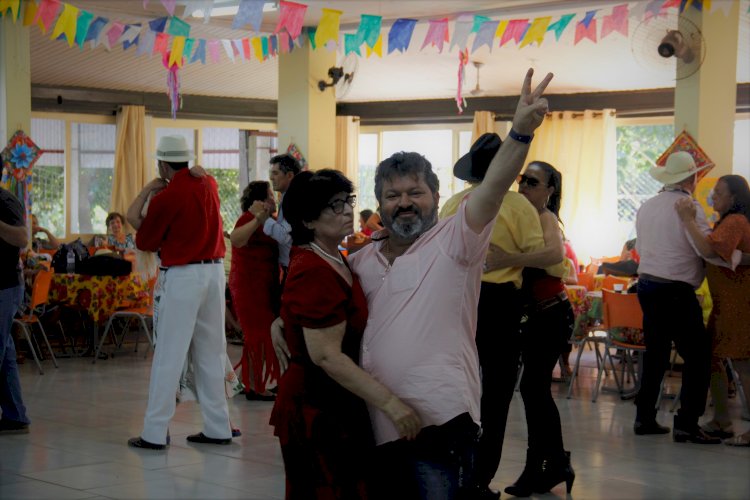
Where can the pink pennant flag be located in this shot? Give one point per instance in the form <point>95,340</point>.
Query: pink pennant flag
<point>437,34</point>
<point>47,13</point>
<point>113,34</point>
<point>617,21</point>
<point>586,28</point>
<point>214,50</point>
<point>169,5</point>
<point>246,52</point>
<point>671,3</point>
<point>291,16</point>
<point>283,43</point>
<point>161,43</point>
<point>514,31</point>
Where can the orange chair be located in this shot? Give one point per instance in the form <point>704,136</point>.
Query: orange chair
<point>586,280</point>
<point>141,313</point>
<point>610,281</point>
<point>619,310</point>
<point>39,295</point>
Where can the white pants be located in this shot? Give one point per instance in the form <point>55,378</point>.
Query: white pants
<point>191,316</point>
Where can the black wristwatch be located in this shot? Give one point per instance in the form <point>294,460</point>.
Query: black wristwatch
<point>526,139</point>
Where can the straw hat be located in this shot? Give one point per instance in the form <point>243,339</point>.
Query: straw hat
<point>679,166</point>
<point>173,149</point>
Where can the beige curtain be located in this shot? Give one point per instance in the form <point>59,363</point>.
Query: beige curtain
<point>484,122</point>
<point>583,147</point>
<point>347,146</point>
<point>131,171</point>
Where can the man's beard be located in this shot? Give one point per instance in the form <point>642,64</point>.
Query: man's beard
<point>410,230</point>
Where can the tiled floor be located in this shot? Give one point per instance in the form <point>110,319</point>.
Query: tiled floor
<point>83,415</point>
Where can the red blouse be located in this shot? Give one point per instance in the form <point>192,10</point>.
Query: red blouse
<point>732,233</point>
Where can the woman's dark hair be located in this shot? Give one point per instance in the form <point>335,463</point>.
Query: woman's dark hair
<point>113,215</point>
<point>255,191</point>
<point>307,196</point>
<point>365,214</point>
<point>554,180</point>
<point>739,189</point>
<point>403,164</point>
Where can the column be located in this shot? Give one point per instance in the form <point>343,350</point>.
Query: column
<point>15,78</point>
<point>307,115</point>
<point>705,102</point>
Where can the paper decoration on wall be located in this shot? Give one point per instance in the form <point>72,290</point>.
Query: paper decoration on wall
<point>515,31</point>
<point>173,84</point>
<point>463,60</point>
<point>295,153</point>
<point>369,29</point>
<point>250,12</point>
<point>685,142</point>
<point>586,28</point>
<point>617,21</point>
<point>485,35</point>
<point>559,26</point>
<point>536,31</point>
<point>14,6</point>
<point>399,37</point>
<point>66,24</point>
<point>461,32</point>
<point>47,13</point>
<point>291,17</point>
<point>703,192</point>
<point>328,28</point>
<point>18,158</point>
<point>437,34</point>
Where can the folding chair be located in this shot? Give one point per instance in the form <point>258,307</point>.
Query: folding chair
<point>142,314</point>
<point>39,295</point>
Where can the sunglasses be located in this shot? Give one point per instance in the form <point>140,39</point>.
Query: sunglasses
<point>529,181</point>
<point>338,205</point>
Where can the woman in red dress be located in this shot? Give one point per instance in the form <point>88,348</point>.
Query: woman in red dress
<point>320,415</point>
<point>254,285</point>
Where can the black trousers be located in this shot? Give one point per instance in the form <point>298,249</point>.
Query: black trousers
<point>545,337</point>
<point>671,312</point>
<point>499,346</point>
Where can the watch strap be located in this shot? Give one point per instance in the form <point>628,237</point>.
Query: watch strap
<point>526,139</point>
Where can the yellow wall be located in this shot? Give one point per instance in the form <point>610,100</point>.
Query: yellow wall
<point>15,78</point>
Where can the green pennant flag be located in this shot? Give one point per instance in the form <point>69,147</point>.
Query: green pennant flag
<point>178,27</point>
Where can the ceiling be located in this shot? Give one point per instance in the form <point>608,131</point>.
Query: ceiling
<point>608,65</point>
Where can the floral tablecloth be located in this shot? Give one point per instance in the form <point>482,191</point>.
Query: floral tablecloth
<point>99,295</point>
<point>588,313</point>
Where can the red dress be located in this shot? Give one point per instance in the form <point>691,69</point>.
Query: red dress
<point>324,430</point>
<point>254,284</point>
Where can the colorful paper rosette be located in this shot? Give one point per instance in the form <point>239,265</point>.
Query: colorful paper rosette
<point>18,158</point>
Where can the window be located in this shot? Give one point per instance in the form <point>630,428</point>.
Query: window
<point>638,147</point>
<point>92,174</point>
<point>368,162</point>
<point>221,157</point>
<point>48,175</point>
<point>741,163</point>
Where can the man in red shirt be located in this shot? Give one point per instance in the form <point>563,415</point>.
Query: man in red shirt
<point>184,224</point>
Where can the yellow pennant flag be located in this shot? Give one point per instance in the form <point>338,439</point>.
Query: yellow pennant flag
<point>257,47</point>
<point>30,13</point>
<point>175,55</point>
<point>13,5</point>
<point>501,28</point>
<point>536,31</point>
<point>328,29</point>
<point>377,48</point>
<point>66,23</point>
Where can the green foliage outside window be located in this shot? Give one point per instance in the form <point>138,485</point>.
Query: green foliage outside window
<point>48,198</point>
<point>638,147</point>
<point>229,194</point>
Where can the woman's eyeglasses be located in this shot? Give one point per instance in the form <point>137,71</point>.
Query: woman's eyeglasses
<point>338,205</point>
<point>529,181</point>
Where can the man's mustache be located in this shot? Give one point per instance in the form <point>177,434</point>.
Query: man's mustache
<point>408,210</point>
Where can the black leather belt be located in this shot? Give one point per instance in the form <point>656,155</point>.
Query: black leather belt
<point>206,261</point>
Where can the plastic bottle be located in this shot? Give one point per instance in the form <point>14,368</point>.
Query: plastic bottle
<point>71,262</point>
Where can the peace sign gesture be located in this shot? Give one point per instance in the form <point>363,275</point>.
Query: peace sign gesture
<point>531,106</point>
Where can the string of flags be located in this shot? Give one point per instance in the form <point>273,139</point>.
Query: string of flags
<point>170,37</point>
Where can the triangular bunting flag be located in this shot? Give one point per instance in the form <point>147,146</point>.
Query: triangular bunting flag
<point>586,28</point>
<point>158,25</point>
<point>485,35</point>
<point>536,32</point>
<point>291,17</point>
<point>515,31</point>
<point>66,24</point>
<point>559,26</point>
<point>461,31</point>
<point>175,55</point>
<point>617,21</point>
<point>250,12</point>
<point>399,37</point>
<point>328,27</point>
<point>377,49</point>
<point>161,43</point>
<point>478,21</point>
<point>115,31</point>
<point>214,50</point>
<point>131,36</point>
<point>257,48</point>
<point>437,34</point>
<point>47,13</point>
<point>369,29</point>
<point>169,5</point>
<point>178,27</point>
<point>247,52</point>
<point>188,50</point>
<point>146,44</point>
<point>14,6</point>
<point>228,49</point>
<point>200,52</point>
<point>82,27</point>
<point>351,44</point>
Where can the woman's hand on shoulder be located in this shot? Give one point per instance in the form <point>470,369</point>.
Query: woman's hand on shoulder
<point>685,209</point>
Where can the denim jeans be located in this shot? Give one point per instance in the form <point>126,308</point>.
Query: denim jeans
<point>438,465</point>
<point>11,401</point>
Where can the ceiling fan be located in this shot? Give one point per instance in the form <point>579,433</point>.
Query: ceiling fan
<point>477,90</point>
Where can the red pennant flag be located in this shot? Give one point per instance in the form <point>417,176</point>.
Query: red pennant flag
<point>617,21</point>
<point>161,43</point>
<point>291,16</point>
<point>47,13</point>
<point>246,48</point>
<point>514,31</point>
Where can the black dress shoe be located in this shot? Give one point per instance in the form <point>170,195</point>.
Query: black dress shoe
<point>139,442</point>
<point>202,438</point>
<point>646,428</point>
<point>695,435</point>
<point>254,396</point>
<point>487,494</point>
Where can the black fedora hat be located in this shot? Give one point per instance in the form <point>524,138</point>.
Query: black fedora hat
<point>473,165</point>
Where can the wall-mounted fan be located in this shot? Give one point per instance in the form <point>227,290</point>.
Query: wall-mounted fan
<point>341,77</point>
<point>669,43</point>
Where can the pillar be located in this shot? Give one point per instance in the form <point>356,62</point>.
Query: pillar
<point>15,78</point>
<point>307,115</point>
<point>705,103</point>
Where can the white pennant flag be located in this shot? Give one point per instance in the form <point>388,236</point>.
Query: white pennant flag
<point>146,42</point>
<point>238,45</point>
<point>637,10</point>
<point>461,32</point>
<point>723,5</point>
<point>131,32</point>
<point>228,49</point>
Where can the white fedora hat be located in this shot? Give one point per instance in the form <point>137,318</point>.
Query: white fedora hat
<point>679,166</point>
<point>174,149</point>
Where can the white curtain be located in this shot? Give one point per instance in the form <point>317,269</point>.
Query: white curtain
<point>483,123</point>
<point>583,147</point>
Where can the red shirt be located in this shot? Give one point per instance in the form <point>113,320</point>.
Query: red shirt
<point>183,221</point>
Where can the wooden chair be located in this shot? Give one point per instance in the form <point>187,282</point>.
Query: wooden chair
<point>39,295</point>
<point>143,313</point>
<point>620,310</point>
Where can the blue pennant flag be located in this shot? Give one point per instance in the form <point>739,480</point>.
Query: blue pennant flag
<point>158,25</point>
<point>200,52</point>
<point>250,12</point>
<point>399,37</point>
<point>96,28</point>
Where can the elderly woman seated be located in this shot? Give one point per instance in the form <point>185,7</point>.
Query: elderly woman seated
<point>48,241</point>
<point>116,239</point>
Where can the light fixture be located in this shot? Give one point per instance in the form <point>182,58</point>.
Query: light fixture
<point>231,7</point>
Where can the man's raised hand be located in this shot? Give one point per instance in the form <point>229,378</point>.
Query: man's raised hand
<point>531,106</point>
